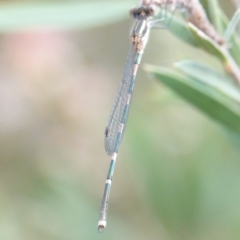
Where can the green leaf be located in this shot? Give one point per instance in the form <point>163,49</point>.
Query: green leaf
<point>221,52</point>
<point>180,29</point>
<point>232,37</point>
<point>195,37</point>
<point>210,77</point>
<point>216,15</point>
<point>192,35</point>
<point>208,44</point>
<point>232,25</point>
<point>60,15</point>
<point>207,98</point>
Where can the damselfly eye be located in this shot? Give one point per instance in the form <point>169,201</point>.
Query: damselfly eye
<point>145,11</point>
<point>152,9</point>
<point>134,12</point>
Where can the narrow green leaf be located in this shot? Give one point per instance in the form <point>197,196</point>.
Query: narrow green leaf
<point>232,25</point>
<point>180,29</point>
<point>60,15</point>
<point>208,99</point>
<point>215,15</point>
<point>232,37</point>
<point>221,52</point>
<point>192,35</point>
<point>210,77</point>
<point>207,43</point>
<point>221,22</point>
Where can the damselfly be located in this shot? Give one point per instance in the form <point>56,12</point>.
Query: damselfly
<point>147,17</point>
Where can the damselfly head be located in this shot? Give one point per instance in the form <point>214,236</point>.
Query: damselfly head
<point>143,11</point>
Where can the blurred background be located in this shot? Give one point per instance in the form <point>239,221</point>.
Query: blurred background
<point>178,172</point>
